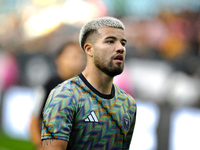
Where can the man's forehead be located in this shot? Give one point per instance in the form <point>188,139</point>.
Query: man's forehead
<point>111,31</point>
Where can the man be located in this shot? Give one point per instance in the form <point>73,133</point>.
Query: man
<point>89,111</point>
<point>69,61</point>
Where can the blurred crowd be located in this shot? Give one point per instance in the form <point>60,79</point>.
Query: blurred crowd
<point>172,37</point>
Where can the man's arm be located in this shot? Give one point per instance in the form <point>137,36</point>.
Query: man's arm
<point>57,120</point>
<point>54,144</point>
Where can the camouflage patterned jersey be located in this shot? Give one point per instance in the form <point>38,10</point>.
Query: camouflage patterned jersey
<point>76,112</point>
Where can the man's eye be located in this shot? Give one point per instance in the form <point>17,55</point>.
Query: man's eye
<point>123,43</point>
<point>110,41</point>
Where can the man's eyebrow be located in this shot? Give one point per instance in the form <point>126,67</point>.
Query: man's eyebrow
<point>124,40</point>
<point>112,37</point>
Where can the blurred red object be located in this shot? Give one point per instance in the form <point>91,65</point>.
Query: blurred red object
<point>9,71</point>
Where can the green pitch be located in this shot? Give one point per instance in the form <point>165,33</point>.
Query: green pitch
<point>7,143</point>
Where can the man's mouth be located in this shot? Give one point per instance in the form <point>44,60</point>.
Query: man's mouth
<point>119,58</point>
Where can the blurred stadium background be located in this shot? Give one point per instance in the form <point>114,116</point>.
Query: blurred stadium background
<point>162,70</point>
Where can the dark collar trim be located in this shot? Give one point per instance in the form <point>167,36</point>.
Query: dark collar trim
<point>105,96</point>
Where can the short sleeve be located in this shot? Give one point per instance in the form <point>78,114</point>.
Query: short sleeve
<point>58,116</point>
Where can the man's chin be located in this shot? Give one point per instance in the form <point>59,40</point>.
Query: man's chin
<point>115,72</point>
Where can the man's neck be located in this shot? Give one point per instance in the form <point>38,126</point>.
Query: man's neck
<point>99,80</point>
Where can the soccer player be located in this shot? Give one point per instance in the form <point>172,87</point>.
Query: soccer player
<point>89,111</point>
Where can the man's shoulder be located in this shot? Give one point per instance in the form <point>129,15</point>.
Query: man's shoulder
<point>123,93</point>
<point>68,86</point>
<point>64,91</point>
<point>120,90</point>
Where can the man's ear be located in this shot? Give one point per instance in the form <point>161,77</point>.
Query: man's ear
<point>88,47</point>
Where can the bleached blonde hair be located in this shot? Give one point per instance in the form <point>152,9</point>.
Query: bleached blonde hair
<point>95,24</point>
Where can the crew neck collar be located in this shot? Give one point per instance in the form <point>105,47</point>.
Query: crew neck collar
<point>105,96</point>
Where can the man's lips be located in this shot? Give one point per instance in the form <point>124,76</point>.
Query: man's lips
<point>119,58</point>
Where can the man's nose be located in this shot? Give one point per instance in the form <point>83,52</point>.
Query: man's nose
<point>120,48</point>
